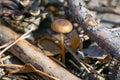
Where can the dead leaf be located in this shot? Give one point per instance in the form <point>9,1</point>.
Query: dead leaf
<point>28,68</point>
<point>49,47</point>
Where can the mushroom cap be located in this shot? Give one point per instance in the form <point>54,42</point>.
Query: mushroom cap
<point>62,26</point>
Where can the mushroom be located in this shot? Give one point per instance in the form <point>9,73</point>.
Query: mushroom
<point>62,26</point>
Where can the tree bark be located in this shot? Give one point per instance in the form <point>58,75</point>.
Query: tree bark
<point>107,39</point>
<point>28,53</point>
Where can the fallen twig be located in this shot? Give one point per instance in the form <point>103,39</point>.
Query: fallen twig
<point>104,10</point>
<point>22,37</point>
<point>5,45</point>
<point>107,39</point>
<point>5,58</point>
<point>28,53</point>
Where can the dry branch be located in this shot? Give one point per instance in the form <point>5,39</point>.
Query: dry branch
<point>107,39</point>
<point>104,10</point>
<point>28,53</point>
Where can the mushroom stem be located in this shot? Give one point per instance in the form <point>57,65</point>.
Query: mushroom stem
<point>63,48</point>
<point>62,26</point>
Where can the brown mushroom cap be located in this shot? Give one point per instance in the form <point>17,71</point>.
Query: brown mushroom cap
<point>62,26</point>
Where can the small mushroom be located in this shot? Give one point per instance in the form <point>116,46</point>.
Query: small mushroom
<point>62,26</point>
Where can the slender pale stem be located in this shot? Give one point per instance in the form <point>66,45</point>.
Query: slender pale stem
<point>63,48</point>
<point>6,44</point>
<point>21,37</point>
